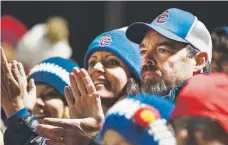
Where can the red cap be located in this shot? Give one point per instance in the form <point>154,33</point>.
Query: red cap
<point>11,29</point>
<point>205,95</point>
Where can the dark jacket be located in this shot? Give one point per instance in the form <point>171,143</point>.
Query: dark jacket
<point>21,130</point>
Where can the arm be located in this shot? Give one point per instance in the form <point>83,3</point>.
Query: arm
<point>21,124</point>
<point>22,129</point>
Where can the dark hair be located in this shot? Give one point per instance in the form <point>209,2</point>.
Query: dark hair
<point>132,87</point>
<point>220,47</point>
<point>192,51</point>
<point>210,128</point>
<point>220,40</point>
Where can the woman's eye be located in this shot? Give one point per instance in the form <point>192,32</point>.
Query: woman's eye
<point>113,62</point>
<point>92,63</point>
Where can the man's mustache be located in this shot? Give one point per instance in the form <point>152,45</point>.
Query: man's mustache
<point>149,67</point>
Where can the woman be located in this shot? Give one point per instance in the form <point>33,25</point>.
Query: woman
<point>111,61</point>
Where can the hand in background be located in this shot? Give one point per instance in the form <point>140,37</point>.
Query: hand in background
<point>85,105</point>
<point>30,94</point>
<point>12,87</point>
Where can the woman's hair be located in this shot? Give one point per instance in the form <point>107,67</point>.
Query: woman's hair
<point>132,87</point>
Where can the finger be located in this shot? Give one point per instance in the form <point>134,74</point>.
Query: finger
<point>65,123</point>
<point>10,65</point>
<point>53,133</point>
<point>98,113</point>
<point>69,98</point>
<point>74,87</point>
<point>80,83</point>
<point>5,65</point>
<point>15,71</point>
<point>21,70</point>
<point>4,75</point>
<point>30,97</point>
<point>87,81</point>
<point>32,88</point>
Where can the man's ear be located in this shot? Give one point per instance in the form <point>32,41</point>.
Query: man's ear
<point>201,59</point>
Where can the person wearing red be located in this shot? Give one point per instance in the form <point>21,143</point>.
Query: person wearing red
<point>201,113</point>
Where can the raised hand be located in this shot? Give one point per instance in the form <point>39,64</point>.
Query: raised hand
<point>85,105</point>
<point>83,91</point>
<point>11,90</point>
<point>14,86</point>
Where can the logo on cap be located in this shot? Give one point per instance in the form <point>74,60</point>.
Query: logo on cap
<point>163,17</point>
<point>146,115</point>
<point>105,40</point>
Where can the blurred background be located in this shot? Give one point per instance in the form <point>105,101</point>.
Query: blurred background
<point>81,22</point>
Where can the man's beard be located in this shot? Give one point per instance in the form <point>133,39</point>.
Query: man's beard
<point>149,86</point>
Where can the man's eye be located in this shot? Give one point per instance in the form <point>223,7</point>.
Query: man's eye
<point>143,52</point>
<point>113,62</point>
<point>162,50</point>
<point>92,63</point>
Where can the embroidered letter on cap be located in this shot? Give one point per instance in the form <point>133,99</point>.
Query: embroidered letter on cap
<point>163,17</point>
<point>105,40</point>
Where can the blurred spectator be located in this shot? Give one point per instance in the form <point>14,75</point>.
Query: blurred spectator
<point>201,113</point>
<point>12,31</point>
<point>139,120</point>
<point>43,41</point>
<point>220,50</point>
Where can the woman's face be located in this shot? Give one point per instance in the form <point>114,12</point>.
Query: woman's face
<point>49,102</point>
<point>108,73</point>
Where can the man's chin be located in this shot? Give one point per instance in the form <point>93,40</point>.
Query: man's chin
<point>152,78</point>
<point>150,81</point>
<point>155,87</point>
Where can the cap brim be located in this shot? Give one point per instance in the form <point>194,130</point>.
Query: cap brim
<point>136,32</point>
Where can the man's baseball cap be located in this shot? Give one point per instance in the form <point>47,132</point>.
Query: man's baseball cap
<point>177,25</point>
<point>205,95</point>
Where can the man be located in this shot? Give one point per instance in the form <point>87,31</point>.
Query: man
<point>174,47</point>
<point>201,114</point>
<point>220,50</point>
